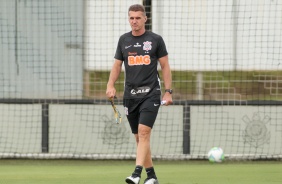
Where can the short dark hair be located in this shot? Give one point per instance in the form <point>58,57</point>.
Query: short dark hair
<point>137,7</point>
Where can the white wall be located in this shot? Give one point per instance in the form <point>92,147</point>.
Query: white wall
<point>199,34</point>
<point>84,129</point>
<point>239,130</point>
<point>106,21</point>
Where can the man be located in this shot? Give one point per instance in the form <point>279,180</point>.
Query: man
<point>141,50</point>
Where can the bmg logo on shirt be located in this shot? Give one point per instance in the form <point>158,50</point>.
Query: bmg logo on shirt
<point>139,60</point>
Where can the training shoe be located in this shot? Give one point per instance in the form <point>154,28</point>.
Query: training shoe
<point>132,179</point>
<point>151,181</point>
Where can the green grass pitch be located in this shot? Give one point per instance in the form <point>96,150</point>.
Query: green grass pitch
<point>114,172</point>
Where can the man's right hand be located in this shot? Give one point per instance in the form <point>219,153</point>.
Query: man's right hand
<point>111,91</point>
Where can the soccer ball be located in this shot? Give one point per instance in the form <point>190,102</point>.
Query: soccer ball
<point>216,154</point>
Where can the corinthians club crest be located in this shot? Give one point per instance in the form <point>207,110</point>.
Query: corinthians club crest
<point>147,46</point>
<point>256,133</point>
<point>114,134</point>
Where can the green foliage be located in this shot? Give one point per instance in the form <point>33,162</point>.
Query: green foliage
<point>212,85</point>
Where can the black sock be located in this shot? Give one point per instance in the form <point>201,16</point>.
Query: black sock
<point>137,171</point>
<point>151,172</point>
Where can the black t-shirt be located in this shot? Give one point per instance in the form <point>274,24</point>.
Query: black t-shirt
<point>140,55</point>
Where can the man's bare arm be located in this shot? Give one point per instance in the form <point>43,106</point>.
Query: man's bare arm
<point>115,72</point>
<point>166,78</point>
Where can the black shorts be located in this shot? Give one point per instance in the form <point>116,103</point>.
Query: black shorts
<point>142,111</point>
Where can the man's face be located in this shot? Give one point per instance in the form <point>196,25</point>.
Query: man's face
<point>137,20</point>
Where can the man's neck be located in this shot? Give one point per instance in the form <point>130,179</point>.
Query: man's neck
<point>139,32</point>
